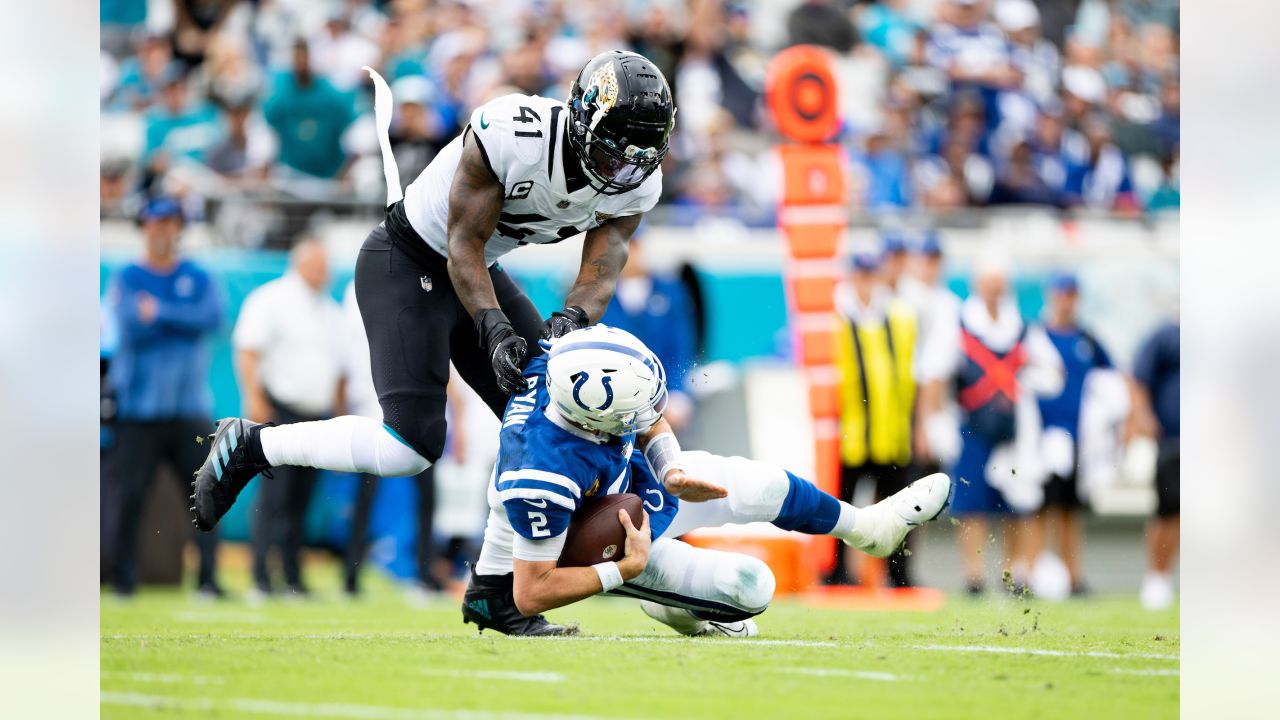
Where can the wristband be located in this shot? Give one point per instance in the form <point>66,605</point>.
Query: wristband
<point>663,455</point>
<point>492,326</point>
<point>610,575</point>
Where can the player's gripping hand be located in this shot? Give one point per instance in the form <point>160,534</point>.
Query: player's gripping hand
<point>563,322</point>
<point>507,351</point>
<point>691,489</point>
<point>636,551</point>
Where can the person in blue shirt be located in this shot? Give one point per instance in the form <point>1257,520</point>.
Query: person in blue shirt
<point>163,308</point>
<point>590,423</point>
<point>309,115</point>
<point>1100,180</point>
<point>1081,353</point>
<point>658,310</point>
<point>176,125</point>
<point>1157,413</point>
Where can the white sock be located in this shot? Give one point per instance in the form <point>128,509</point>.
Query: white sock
<point>349,444</point>
<point>847,521</point>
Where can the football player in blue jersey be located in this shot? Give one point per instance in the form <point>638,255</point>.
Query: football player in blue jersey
<point>590,422</point>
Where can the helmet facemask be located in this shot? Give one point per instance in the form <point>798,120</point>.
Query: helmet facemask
<point>620,139</point>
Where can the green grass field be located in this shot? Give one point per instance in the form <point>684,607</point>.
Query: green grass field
<point>166,656</point>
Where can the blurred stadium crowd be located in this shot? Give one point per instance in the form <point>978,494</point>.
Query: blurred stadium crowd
<point>953,103</point>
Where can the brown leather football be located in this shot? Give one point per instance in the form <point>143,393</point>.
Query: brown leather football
<point>595,533</point>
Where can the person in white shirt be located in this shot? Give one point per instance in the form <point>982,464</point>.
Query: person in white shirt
<point>1000,364</point>
<point>290,364</point>
<point>936,435</point>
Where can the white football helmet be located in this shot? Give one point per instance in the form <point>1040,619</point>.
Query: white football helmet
<point>605,379</point>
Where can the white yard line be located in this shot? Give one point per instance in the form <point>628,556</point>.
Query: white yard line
<point>517,675</point>
<point>726,642</point>
<point>166,678</point>
<point>841,673</point>
<point>1010,650</point>
<point>700,642</point>
<point>220,616</point>
<point>1146,671</point>
<point>327,710</point>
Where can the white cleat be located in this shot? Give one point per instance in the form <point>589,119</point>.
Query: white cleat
<point>685,623</point>
<point>879,529</point>
<point>1157,591</point>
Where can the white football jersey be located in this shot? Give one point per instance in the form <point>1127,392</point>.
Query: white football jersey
<point>523,138</point>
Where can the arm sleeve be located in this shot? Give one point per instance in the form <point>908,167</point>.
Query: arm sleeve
<point>660,505</point>
<point>538,502</point>
<point>536,518</point>
<point>509,130</point>
<point>537,550</point>
<point>197,316</point>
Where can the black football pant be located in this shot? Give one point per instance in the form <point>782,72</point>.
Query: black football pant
<point>280,514</point>
<point>358,545</point>
<point>139,449</point>
<point>416,324</point>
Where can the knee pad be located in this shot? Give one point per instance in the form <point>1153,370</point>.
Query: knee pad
<point>425,435</point>
<point>747,582</point>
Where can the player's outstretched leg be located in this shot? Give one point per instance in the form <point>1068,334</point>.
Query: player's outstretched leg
<point>760,492</point>
<point>242,449</point>
<point>686,623</point>
<point>228,468</point>
<point>490,603</point>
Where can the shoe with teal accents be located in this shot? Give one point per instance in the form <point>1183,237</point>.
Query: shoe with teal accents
<point>490,603</point>
<point>229,467</point>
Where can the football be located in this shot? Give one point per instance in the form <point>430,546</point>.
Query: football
<point>595,534</point>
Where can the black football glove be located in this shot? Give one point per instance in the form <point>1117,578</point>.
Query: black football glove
<point>563,322</point>
<point>507,351</point>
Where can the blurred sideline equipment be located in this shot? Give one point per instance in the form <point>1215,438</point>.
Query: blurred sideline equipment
<point>802,96</point>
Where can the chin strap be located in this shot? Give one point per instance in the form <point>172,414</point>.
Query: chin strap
<point>383,108</point>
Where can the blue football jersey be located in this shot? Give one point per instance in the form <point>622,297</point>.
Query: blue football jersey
<point>544,471</point>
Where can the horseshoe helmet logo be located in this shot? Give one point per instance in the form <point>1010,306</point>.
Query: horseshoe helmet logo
<point>581,381</point>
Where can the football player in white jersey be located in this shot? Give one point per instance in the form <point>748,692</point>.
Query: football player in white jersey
<point>525,170</point>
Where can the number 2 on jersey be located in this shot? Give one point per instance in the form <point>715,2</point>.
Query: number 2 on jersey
<point>538,524</point>
<point>527,115</point>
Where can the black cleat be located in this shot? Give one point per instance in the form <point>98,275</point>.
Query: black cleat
<point>490,603</point>
<point>224,473</point>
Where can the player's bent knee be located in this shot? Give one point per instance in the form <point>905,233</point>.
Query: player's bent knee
<point>756,490</point>
<point>747,582</point>
<point>396,459</point>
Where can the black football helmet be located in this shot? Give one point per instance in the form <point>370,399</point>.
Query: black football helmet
<point>621,115</point>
